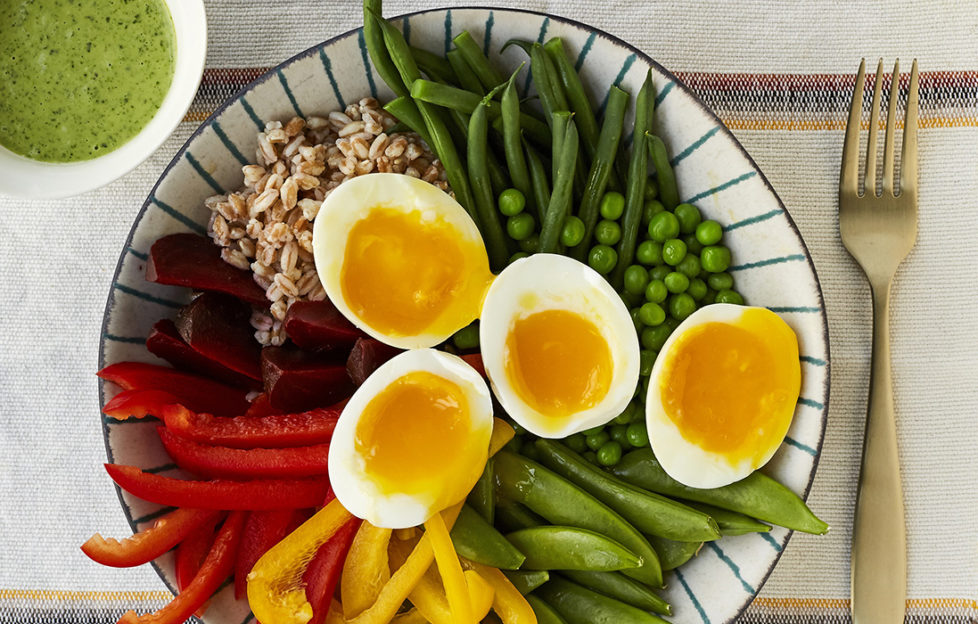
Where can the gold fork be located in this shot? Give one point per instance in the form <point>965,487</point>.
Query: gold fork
<point>879,230</point>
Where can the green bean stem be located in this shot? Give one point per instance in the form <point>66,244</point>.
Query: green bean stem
<point>668,192</point>
<point>638,171</point>
<point>512,140</point>
<point>478,156</point>
<point>562,196</point>
<point>476,60</point>
<point>466,77</point>
<point>379,55</point>
<point>538,179</point>
<point>407,113</point>
<point>579,605</point>
<point>601,167</point>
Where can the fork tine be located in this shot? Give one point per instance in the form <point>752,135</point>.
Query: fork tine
<point>890,125</point>
<point>908,160</point>
<point>849,182</point>
<point>874,120</point>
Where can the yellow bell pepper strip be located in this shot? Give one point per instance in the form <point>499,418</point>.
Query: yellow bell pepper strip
<point>481,594</point>
<point>276,589</point>
<point>406,534</point>
<point>366,570</point>
<point>508,603</point>
<point>502,433</point>
<point>409,617</point>
<point>450,569</point>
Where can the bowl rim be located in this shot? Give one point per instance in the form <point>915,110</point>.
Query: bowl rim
<point>59,180</point>
<point>612,39</point>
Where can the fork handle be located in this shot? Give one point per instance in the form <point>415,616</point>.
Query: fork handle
<point>879,542</point>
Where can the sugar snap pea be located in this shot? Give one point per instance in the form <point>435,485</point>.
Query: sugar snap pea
<point>479,541</point>
<point>579,605</point>
<point>731,522</point>
<point>482,498</point>
<point>562,503</point>
<point>620,587</point>
<point>544,612</point>
<point>666,177</point>
<point>650,513</point>
<point>562,195</point>
<point>374,38</point>
<point>466,77</point>
<point>478,156</point>
<point>538,179</point>
<point>512,516</point>
<point>571,548</point>
<point>527,580</point>
<point>674,554</point>
<point>477,60</point>
<point>513,140</point>
<point>758,496</point>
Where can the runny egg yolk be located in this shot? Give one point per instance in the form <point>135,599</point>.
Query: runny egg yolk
<point>409,273</point>
<point>558,362</point>
<point>731,389</point>
<point>415,438</point>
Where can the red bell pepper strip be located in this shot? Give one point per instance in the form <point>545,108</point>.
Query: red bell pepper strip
<point>216,567</point>
<point>262,530</point>
<point>246,432</point>
<point>475,361</point>
<point>149,543</point>
<point>324,570</point>
<point>191,552</point>
<point>138,404</point>
<point>219,462</point>
<point>219,494</point>
<point>261,406</point>
<point>195,392</point>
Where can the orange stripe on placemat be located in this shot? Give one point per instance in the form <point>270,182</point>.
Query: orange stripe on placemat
<point>64,595</point>
<point>843,603</point>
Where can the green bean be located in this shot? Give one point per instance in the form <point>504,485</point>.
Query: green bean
<point>561,502</point>
<point>512,141</point>
<point>407,113</point>
<point>526,581</point>
<point>544,79</point>
<point>476,60</point>
<point>544,612</point>
<point>441,141</point>
<point>478,150</point>
<point>648,512</point>
<point>731,522</point>
<point>558,128</point>
<point>758,495</point>
<point>570,548</point>
<point>668,193</point>
<point>579,605</point>
<point>476,539</point>
<point>635,182</point>
<point>538,179</point>
<point>534,129</point>
<point>379,55</point>
<point>674,554</point>
<point>437,67</point>
<point>482,498</point>
<point>512,516</point>
<point>466,77</point>
<point>620,587</point>
<point>601,167</point>
<point>561,198</point>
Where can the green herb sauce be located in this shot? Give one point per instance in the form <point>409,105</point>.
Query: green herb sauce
<point>78,78</point>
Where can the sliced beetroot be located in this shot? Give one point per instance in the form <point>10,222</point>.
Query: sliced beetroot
<point>318,325</point>
<point>366,357</point>
<point>216,326</point>
<point>195,262</point>
<point>194,392</point>
<point>165,342</point>
<point>297,381</point>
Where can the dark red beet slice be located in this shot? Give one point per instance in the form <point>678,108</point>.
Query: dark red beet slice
<point>296,381</point>
<point>216,326</point>
<point>319,325</point>
<point>192,391</point>
<point>195,262</point>
<point>165,342</point>
<point>366,357</point>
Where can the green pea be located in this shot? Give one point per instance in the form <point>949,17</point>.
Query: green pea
<point>651,189</point>
<point>676,282</point>
<point>520,227</point>
<point>636,279</point>
<point>656,291</point>
<point>646,360</point>
<point>651,208</point>
<point>681,306</point>
<point>651,314</point>
<point>653,338</point>
<point>576,443</point>
<point>709,232</point>
<point>715,258</point>
<point>697,289</point>
<point>607,232</point>
<point>602,259</point>
<point>519,255</point>
<point>637,434</point>
<point>618,433</point>
<point>659,272</point>
<point>671,323</point>
<point>688,216</point>
<point>720,281</point>
<point>609,454</point>
<point>511,202</point>
<point>531,245</point>
<point>597,440</point>
<point>591,456</point>
<point>649,253</point>
<point>709,297</point>
<point>467,337</point>
<point>644,385</point>
<point>636,321</point>
<point>573,232</point>
<point>690,266</point>
<point>673,251</point>
<point>692,244</point>
<point>663,226</point>
<point>729,296</point>
<point>612,205</point>
<point>593,430</point>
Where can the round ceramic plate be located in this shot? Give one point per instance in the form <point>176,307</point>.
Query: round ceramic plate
<point>772,266</point>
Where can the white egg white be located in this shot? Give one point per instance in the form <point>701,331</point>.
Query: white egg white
<point>553,282</point>
<point>352,484</point>
<point>351,202</point>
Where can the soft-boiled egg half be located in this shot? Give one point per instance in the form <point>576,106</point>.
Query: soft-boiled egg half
<point>722,394</point>
<point>401,259</point>
<point>412,440</point>
<point>558,345</point>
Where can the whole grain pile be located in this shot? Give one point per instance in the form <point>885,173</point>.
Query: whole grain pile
<point>266,226</point>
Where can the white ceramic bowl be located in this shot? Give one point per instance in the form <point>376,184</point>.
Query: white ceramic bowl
<point>34,179</point>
